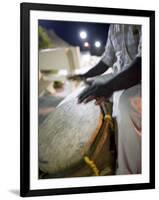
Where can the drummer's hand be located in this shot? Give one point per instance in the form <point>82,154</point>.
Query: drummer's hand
<point>77,77</point>
<point>100,100</point>
<point>95,91</point>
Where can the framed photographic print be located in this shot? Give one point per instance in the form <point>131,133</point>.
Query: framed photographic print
<point>87,99</point>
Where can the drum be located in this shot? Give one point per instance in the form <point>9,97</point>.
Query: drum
<point>47,104</point>
<point>74,140</point>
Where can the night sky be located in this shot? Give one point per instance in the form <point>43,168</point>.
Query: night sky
<point>69,31</point>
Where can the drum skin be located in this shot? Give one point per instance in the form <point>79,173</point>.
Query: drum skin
<point>66,135</point>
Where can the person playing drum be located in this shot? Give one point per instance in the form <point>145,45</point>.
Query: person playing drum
<point>123,55</point>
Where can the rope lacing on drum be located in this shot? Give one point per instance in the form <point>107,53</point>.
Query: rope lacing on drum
<point>109,120</point>
<point>90,162</point>
<point>92,165</point>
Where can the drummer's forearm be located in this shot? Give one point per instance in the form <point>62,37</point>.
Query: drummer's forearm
<point>100,68</point>
<point>129,77</point>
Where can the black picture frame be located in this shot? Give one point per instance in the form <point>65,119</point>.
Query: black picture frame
<point>25,9</point>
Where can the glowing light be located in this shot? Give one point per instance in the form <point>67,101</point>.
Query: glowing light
<point>86,44</point>
<point>83,35</point>
<point>97,44</point>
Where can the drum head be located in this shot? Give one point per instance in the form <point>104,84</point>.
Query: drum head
<point>66,135</point>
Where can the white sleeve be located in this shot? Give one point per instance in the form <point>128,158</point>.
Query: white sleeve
<point>139,53</point>
<point>108,56</point>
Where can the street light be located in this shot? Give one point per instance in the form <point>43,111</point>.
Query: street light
<point>97,44</point>
<point>83,35</point>
<point>86,44</point>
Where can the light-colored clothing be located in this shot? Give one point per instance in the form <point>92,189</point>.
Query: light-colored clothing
<point>123,46</point>
<point>129,129</point>
<point>123,41</point>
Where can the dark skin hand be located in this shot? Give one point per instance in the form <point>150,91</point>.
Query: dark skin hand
<point>99,69</point>
<point>125,79</point>
<point>77,77</point>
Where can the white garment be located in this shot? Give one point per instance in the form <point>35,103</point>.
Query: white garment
<point>116,95</point>
<point>123,45</point>
<point>124,40</point>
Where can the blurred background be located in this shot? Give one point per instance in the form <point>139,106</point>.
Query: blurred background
<point>66,48</point>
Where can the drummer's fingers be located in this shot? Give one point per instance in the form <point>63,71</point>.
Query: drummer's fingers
<point>85,94</point>
<point>89,82</point>
<point>99,100</point>
<point>90,98</point>
<point>70,77</point>
<point>82,94</point>
<point>73,77</point>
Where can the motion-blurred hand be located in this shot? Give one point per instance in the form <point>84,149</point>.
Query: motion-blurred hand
<point>96,91</point>
<point>78,77</point>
